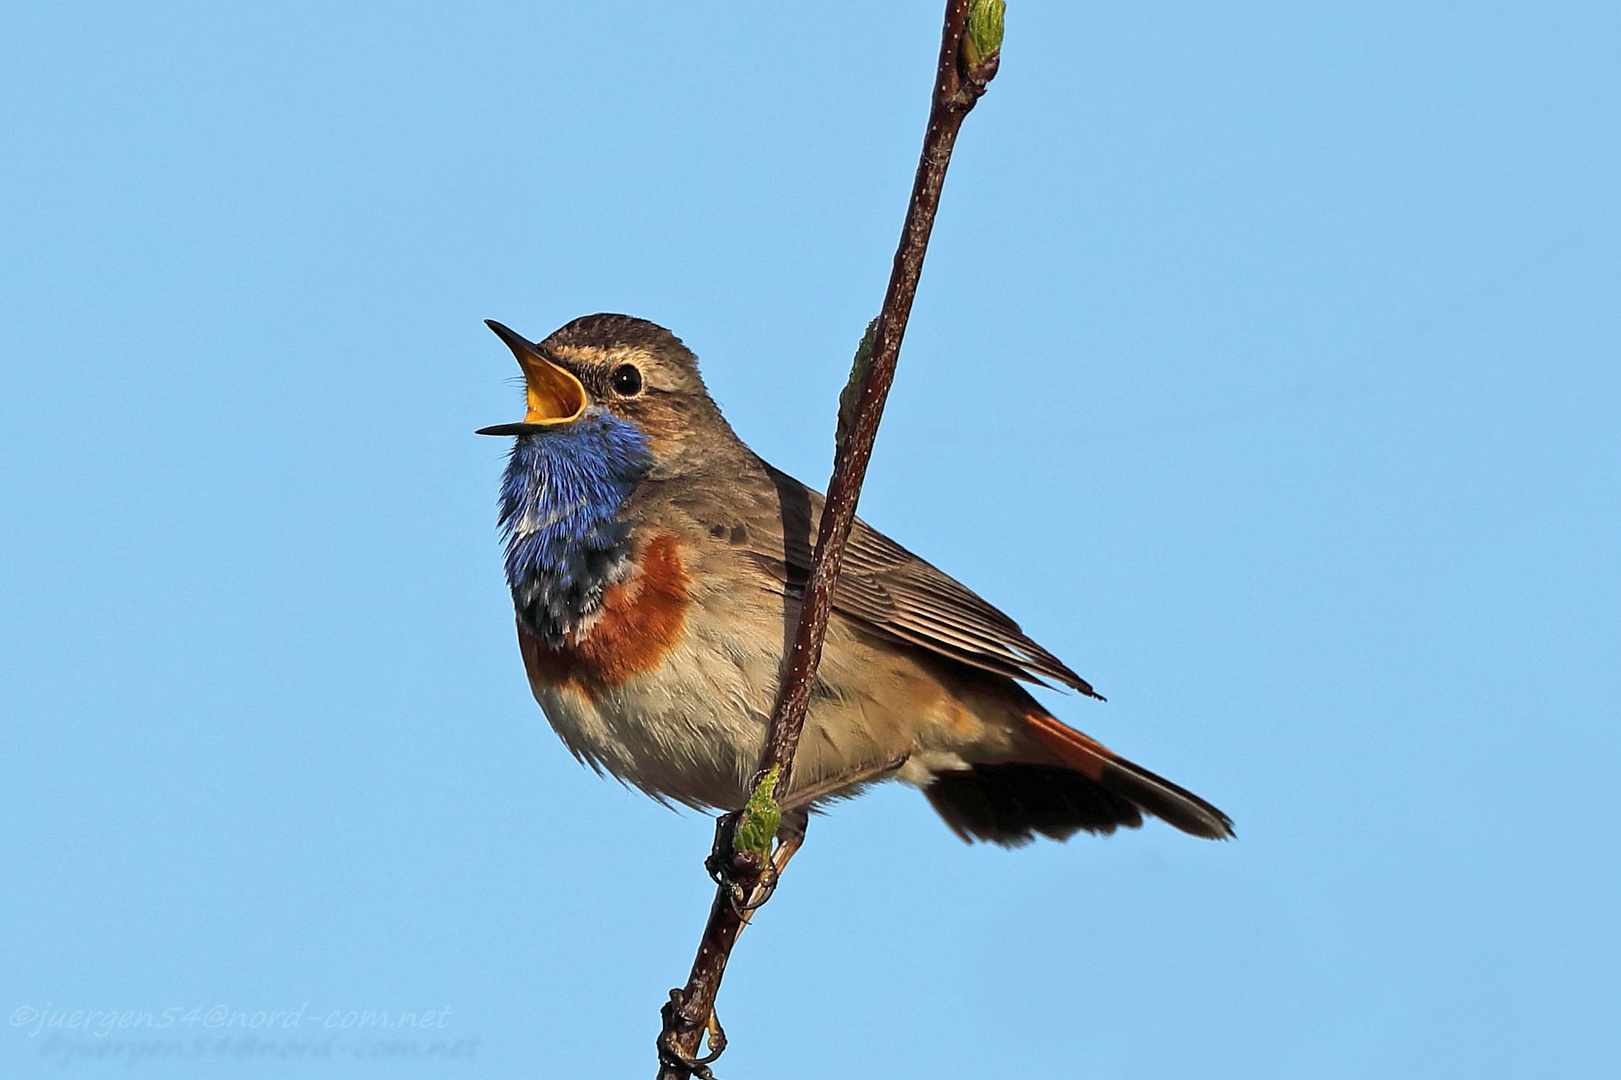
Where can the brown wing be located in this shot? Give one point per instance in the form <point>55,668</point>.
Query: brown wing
<point>888,589</point>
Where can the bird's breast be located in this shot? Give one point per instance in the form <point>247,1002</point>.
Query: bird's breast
<point>641,619</point>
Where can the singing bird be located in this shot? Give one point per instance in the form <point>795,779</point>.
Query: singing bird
<point>657,564</point>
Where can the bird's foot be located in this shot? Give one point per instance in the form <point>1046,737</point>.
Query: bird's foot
<point>763,888</point>
<point>677,1020</point>
<point>749,879</point>
<point>727,866</point>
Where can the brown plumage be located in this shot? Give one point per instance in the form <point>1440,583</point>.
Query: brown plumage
<point>668,680</point>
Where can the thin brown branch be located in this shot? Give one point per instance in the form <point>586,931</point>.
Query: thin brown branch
<point>961,77</point>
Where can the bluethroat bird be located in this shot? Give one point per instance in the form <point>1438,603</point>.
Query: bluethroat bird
<point>656,566</point>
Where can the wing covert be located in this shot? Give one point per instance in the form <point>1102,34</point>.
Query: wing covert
<point>888,589</point>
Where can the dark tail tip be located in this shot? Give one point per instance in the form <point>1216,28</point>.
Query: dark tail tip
<point>1013,803</point>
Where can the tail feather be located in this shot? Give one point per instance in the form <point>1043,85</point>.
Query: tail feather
<point>1090,788</point>
<point>1010,803</point>
<point>1147,791</point>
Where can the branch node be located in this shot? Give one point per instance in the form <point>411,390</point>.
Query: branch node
<point>757,825</point>
<point>982,35</point>
<point>851,394</point>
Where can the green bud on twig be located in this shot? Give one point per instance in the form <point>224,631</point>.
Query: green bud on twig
<point>983,37</point>
<point>761,816</point>
<point>852,389</point>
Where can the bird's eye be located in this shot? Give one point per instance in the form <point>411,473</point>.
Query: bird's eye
<point>627,380</point>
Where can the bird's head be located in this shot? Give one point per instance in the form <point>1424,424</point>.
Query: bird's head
<point>612,401</point>
<point>613,368</point>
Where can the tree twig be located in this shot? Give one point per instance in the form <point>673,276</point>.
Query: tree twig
<point>969,53</point>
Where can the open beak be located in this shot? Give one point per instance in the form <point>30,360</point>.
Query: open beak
<point>555,395</point>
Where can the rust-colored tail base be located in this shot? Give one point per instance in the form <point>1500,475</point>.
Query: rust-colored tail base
<point>1094,789</point>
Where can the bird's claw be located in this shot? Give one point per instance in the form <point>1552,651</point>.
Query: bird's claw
<point>763,888</point>
<point>677,1018</point>
<point>723,855</point>
<point>748,879</point>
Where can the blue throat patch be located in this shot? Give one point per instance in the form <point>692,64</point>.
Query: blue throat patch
<point>560,500</point>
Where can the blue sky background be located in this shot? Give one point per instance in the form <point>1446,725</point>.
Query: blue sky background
<point>1265,368</point>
